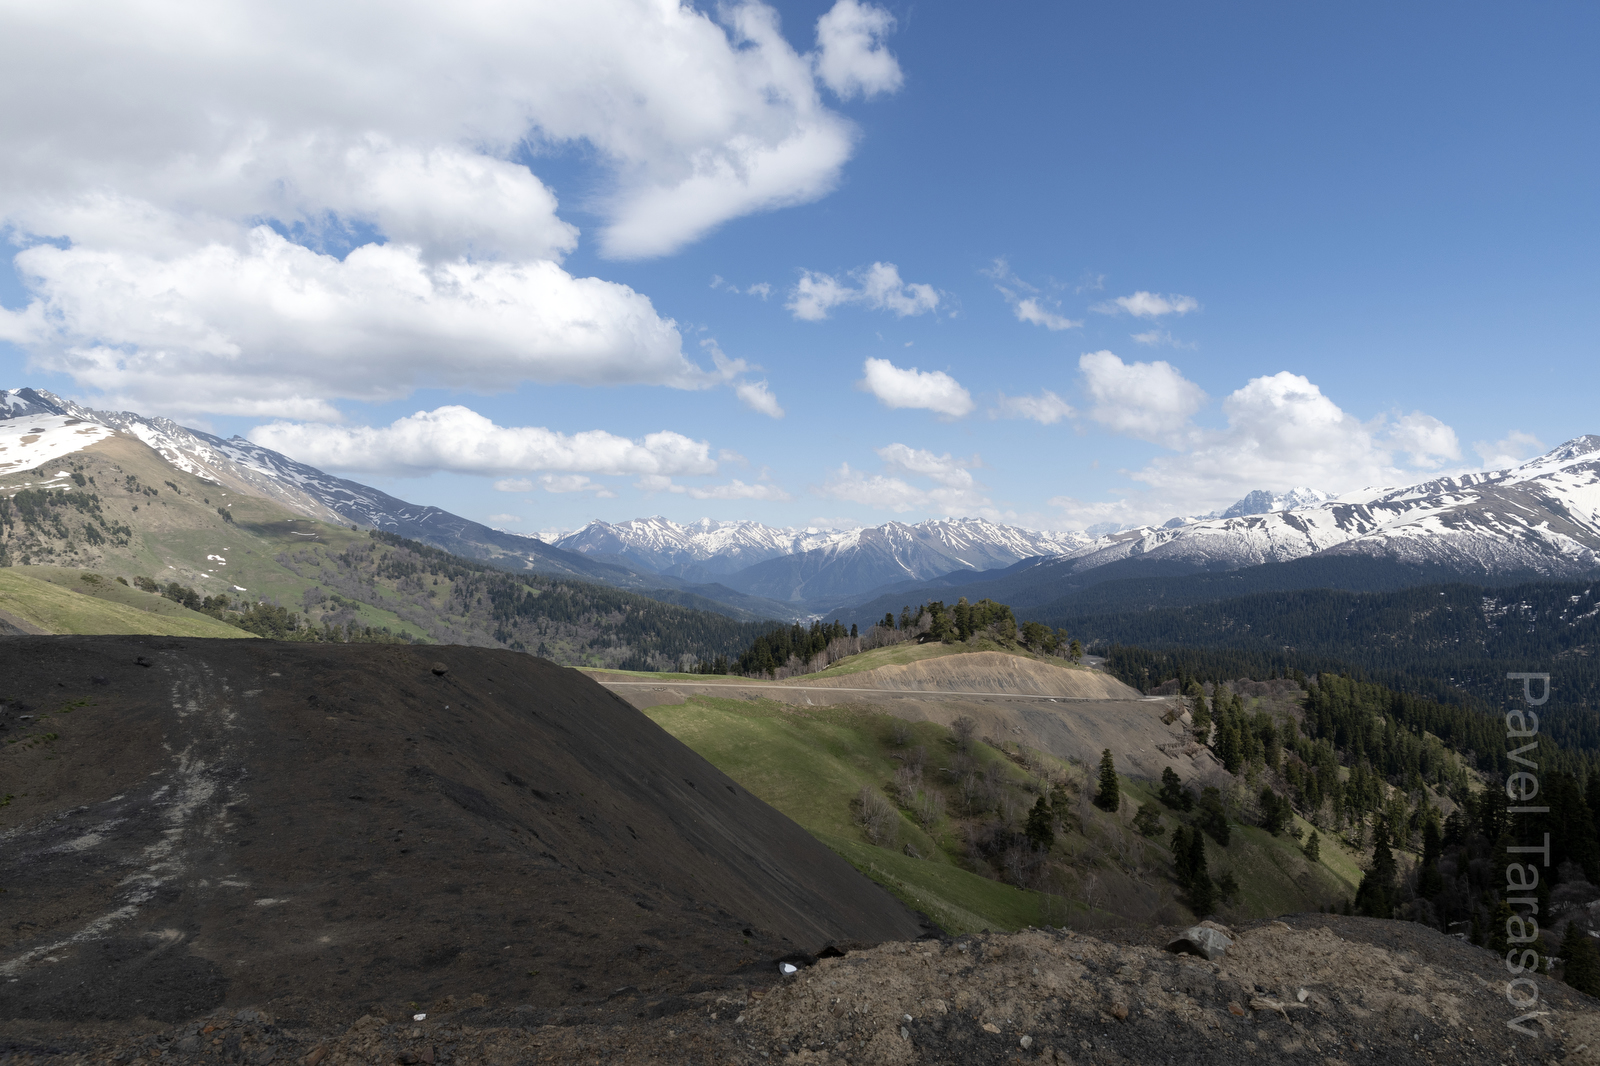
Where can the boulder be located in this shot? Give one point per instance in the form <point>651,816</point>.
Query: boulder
<point>1201,940</point>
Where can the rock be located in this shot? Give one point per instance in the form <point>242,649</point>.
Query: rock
<point>990,1027</point>
<point>440,669</point>
<point>1236,1010</point>
<point>1202,940</point>
<point>1119,1012</point>
<point>317,1055</point>
<point>408,1058</point>
<point>912,852</point>
<point>1025,1043</point>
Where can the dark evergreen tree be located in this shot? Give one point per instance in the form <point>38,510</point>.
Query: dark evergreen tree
<point>1214,817</point>
<point>1430,882</point>
<point>1172,793</point>
<point>1375,897</point>
<point>1038,827</point>
<point>1580,963</point>
<point>1313,848</point>
<point>1110,795</point>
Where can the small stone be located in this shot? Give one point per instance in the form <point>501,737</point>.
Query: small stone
<point>408,1058</point>
<point>990,1027</point>
<point>905,1034</point>
<point>317,1055</point>
<point>1026,1042</point>
<point>1235,1009</point>
<point>1302,995</point>
<point>427,1054</point>
<point>1119,1012</point>
<point>440,669</point>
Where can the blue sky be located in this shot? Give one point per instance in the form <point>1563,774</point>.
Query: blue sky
<point>1361,242</point>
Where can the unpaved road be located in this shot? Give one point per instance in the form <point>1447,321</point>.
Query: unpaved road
<point>1070,713</point>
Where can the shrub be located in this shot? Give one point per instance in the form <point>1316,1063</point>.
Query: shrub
<point>878,817</point>
<point>930,808</point>
<point>1147,821</point>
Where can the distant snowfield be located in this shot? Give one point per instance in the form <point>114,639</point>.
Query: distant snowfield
<point>27,442</point>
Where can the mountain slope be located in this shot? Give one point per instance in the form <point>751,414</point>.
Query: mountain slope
<point>241,466</point>
<point>814,566</point>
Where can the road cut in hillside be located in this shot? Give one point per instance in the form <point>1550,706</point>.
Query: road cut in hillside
<point>986,673</point>
<point>1070,713</point>
<point>195,824</point>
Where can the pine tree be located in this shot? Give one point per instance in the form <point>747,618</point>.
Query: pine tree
<point>1201,716</point>
<point>1173,794</point>
<point>1110,794</point>
<point>1313,848</point>
<point>1375,896</point>
<point>1038,828</point>
<point>1430,882</point>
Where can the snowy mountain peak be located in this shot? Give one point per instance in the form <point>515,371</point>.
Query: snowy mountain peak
<point>1263,502</point>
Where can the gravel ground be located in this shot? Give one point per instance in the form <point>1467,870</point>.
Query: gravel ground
<point>1310,988</point>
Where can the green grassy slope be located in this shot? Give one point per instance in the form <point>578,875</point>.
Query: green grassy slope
<point>58,609</point>
<point>811,764</point>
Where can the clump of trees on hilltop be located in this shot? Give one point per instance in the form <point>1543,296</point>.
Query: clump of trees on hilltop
<point>793,650</point>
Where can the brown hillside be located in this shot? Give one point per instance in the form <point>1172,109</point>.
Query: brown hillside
<point>986,672</point>
<point>197,824</point>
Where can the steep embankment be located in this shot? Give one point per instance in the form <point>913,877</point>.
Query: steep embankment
<point>198,823</point>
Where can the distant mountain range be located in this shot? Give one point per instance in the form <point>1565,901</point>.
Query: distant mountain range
<point>1537,520</point>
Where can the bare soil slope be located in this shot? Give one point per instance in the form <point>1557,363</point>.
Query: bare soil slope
<point>197,824</point>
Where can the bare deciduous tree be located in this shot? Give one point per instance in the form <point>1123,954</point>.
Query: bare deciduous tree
<point>878,817</point>
<point>964,728</point>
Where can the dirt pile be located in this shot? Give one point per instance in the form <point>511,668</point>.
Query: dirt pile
<point>1311,989</point>
<point>196,825</point>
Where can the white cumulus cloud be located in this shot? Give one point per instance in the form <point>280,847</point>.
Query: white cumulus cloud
<point>1281,431</point>
<point>756,396</point>
<point>1046,408</point>
<point>1513,449</point>
<point>879,287</point>
<point>1148,305</point>
<point>932,390</point>
<point>851,57</point>
<point>399,134</point>
<point>945,469</point>
<point>459,439</point>
<point>1151,401</point>
<point>1030,310</point>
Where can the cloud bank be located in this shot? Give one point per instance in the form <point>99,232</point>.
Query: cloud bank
<point>259,210</point>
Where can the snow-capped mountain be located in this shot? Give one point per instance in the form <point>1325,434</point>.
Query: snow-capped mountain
<point>1263,502</point>
<point>245,467</point>
<point>800,565</point>
<point>703,547</point>
<point>1542,517</point>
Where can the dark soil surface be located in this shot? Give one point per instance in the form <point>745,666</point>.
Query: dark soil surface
<point>324,830</point>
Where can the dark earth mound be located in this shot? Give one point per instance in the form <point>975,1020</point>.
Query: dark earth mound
<point>195,825</point>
